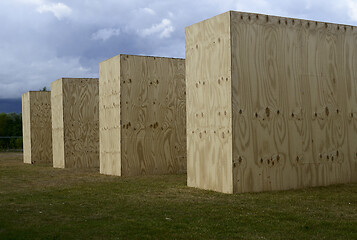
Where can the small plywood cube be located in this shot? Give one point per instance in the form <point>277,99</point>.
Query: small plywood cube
<point>75,127</point>
<point>142,115</point>
<point>36,127</point>
<point>271,103</point>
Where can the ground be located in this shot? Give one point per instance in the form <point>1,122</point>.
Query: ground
<point>39,202</point>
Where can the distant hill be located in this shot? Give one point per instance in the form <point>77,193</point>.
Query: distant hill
<point>10,105</point>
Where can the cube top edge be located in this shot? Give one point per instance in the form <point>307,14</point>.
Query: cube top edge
<point>36,92</point>
<point>120,56</point>
<point>250,15</point>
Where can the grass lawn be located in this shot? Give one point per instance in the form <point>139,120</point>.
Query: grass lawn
<point>39,202</point>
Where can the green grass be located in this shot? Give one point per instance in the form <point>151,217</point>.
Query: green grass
<point>39,202</point>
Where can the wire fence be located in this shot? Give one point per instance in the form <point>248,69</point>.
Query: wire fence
<point>11,144</point>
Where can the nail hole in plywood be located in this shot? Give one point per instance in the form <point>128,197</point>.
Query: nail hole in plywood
<point>267,112</point>
<point>327,112</point>
<point>256,115</point>
<point>337,153</point>
<point>261,160</point>
<point>240,111</point>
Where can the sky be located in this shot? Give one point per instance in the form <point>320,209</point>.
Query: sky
<point>43,40</point>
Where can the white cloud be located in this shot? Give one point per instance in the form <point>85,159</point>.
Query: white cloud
<point>148,11</point>
<point>164,29</point>
<point>60,10</point>
<point>352,9</point>
<point>105,33</point>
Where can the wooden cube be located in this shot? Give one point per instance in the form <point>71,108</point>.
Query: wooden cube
<point>271,103</point>
<point>36,127</point>
<point>142,115</point>
<point>75,126</point>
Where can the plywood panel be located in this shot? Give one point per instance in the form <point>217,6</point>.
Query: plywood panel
<point>26,127</point>
<point>57,123</point>
<point>37,127</point>
<point>109,116</point>
<point>350,63</point>
<point>209,113</point>
<point>143,121</point>
<point>293,97</point>
<point>153,113</point>
<point>78,100</point>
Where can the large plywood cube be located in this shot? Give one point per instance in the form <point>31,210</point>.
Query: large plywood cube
<point>271,103</point>
<point>142,115</point>
<point>75,126</point>
<point>36,127</point>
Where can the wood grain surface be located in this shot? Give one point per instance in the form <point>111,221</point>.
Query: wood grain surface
<point>209,107</point>
<point>37,134</point>
<point>76,105</point>
<point>143,115</point>
<point>293,96</point>
<point>26,127</point>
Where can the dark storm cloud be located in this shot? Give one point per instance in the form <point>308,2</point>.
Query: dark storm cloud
<point>42,40</point>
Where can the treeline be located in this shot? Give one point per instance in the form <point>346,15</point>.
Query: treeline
<point>10,127</point>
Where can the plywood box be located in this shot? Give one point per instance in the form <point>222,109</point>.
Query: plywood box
<point>271,103</point>
<point>36,127</point>
<point>142,115</point>
<point>75,126</point>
